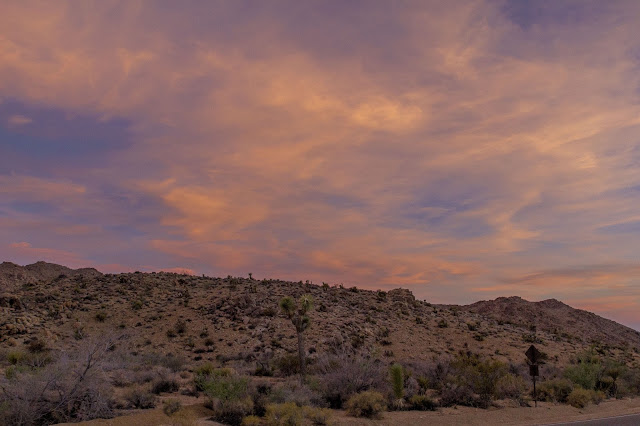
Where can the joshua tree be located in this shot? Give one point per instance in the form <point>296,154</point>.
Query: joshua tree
<point>297,313</point>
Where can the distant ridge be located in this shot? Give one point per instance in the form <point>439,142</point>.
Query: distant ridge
<point>237,318</point>
<point>12,275</point>
<point>553,316</point>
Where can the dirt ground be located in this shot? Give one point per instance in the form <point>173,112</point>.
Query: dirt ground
<point>545,413</point>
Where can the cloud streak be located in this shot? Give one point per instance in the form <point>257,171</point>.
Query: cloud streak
<point>376,144</point>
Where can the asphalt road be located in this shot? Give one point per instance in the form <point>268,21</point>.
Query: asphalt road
<point>628,420</point>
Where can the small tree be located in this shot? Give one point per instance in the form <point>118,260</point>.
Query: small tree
<point>297,313</point>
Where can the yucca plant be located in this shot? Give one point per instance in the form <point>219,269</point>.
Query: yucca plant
<point>297,313</point>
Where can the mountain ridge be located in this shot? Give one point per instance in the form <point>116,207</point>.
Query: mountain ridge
<point>236,319</point>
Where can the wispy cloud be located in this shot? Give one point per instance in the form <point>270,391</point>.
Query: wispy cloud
<point>379,144</point>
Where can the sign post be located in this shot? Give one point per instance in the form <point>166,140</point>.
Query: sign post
<point>534,356</point>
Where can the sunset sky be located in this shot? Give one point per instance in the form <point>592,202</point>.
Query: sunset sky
<point>462,149</point>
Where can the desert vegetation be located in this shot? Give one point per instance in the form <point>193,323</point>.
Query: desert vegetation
<point>77,346</point>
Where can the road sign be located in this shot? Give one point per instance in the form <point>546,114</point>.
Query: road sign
<point>533,355</point>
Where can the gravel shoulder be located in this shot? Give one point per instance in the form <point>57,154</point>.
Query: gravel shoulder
<point>545,413</point>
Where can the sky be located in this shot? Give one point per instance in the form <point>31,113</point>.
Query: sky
<point>465,150</point>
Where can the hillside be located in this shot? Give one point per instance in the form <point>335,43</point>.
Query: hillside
<point>557,318</point>
<point>236,321</point>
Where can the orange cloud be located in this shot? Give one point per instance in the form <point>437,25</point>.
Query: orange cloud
<point>455,150</point>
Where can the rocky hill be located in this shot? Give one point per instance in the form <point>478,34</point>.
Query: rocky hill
<point>237,320</point>
<point>555,317</point>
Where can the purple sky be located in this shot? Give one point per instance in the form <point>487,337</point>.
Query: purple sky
<point>465,150</point>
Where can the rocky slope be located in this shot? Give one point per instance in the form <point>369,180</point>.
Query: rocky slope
<point>237,320</point>
<point>557,318</point>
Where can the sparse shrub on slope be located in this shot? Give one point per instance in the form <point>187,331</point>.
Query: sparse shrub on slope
<point>510,386</point>
<point>286,414</point>
<point>474,375</point>
<point>555,390</point>
<point>140,397</point>
<point>579,397</point>
<point>228,395</point>
<point>71,388</point>
<point>343,377</point>
<point>368,404</point>
<point>421,403</point>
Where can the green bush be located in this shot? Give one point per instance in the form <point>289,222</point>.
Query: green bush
<point>421,403</point>
<point>225,388</point>
<point>555,390</point>
<point>16,357</point>
<point>579,398</point>
<point>584,374</point>
<point>204,370</point>
<point>286,414</point>
<point>318,416</point>
<point>206,374</point>
<point>368,404</point>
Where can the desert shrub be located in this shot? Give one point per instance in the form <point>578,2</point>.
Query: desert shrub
<point>164,386</point>
<point>579,397</point>
<point>225,388</point>
<point>510,386</point>
<point>70,388</point>
<point>438,375</point>
<point>206,369</point>
<point>16,357</point>
<point>421,403</point>
<point>36,346</point>
<point>101,316</point>
<point>140,398</point>
<point>629,383</point>
<point>252,421</point>
<point>368,404</point>
<point>171,407</point>
<point>180,327</point>
<point>597,397</point>
<point>294,391</point>
<point>174,363</point>
<point>228,395</point>
<point>136,305</point>
<point>443,323</point>
<point>287,413</point>
<point>206,373</point>
<point>232,411</point>
<point>343,377</point>
<point>555,390</point>
<point>479,375</point>
<point>455,394</point>
<point>287,365</point>
<point>584,374</point>
<point>318,416</point>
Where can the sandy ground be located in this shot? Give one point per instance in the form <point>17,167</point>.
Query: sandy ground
<point>546,413</point>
